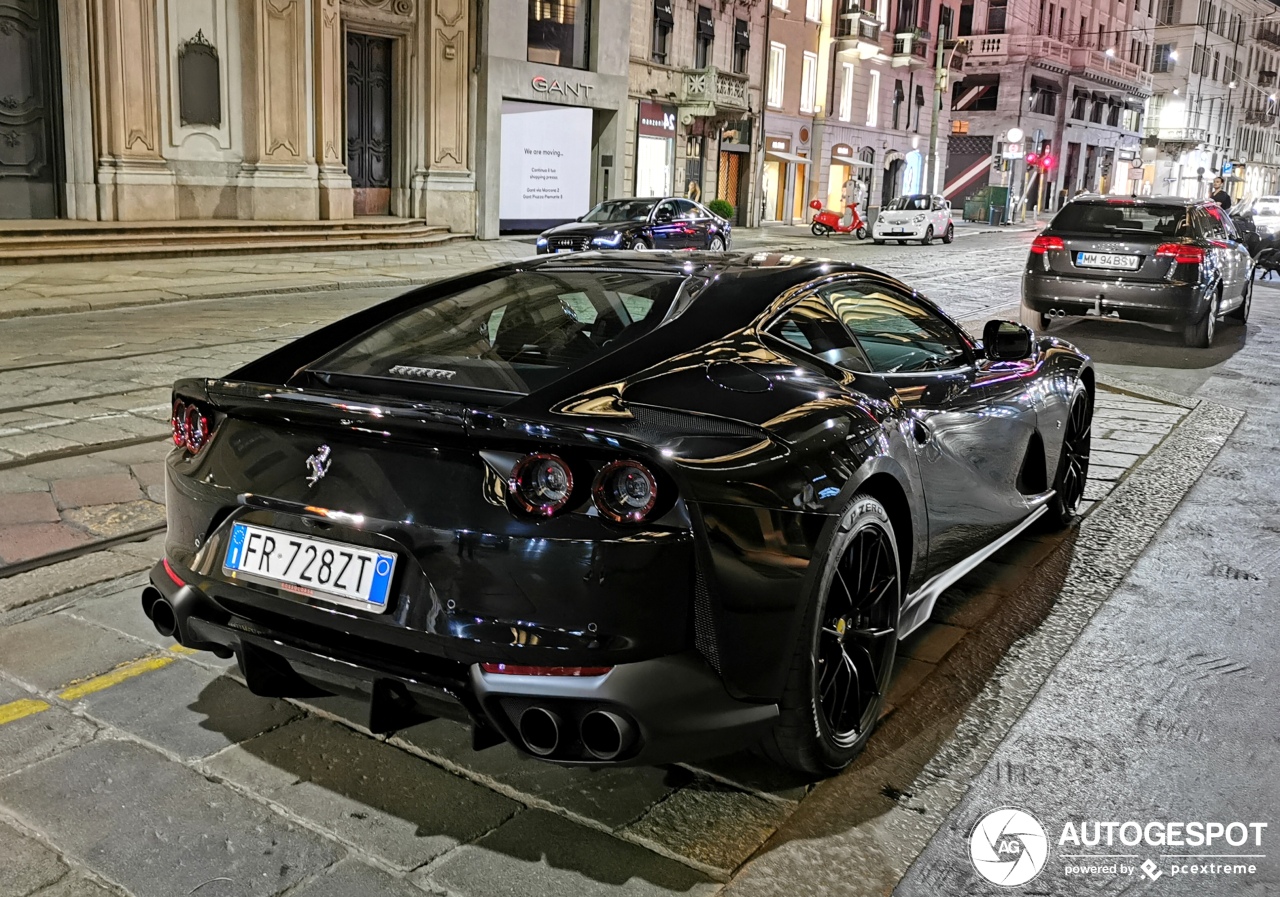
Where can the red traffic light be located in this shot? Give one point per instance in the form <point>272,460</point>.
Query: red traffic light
<point>1033,159</point>
<point>1047,162</point>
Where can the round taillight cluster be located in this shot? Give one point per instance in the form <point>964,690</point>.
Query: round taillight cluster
<point>542,485</point>
<point>625,491</point>
<point>190,426</point>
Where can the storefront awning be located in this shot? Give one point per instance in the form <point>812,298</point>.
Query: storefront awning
<point>1135,103</point>
<point>786,157</point>
<point>662,11</point>
<point>741,32</point>
<point>1044,85</point>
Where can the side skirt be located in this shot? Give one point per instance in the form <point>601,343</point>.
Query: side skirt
<point>919,605</point>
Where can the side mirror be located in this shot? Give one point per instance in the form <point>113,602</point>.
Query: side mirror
<point>1006,341</point>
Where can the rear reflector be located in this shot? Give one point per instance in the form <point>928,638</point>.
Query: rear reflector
<point>1181,253</point>
<point>1040,245</point>
<point>172,575</point>
<point>519,669</point>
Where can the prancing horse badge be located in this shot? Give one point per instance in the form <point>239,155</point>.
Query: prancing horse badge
<point>318,464</point>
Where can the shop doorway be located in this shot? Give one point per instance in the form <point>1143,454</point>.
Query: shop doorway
<point>30,114</point>
<point>730,185</point>
<point>799,182</point>
<point>892,175</point>
<point>840,172</point>
<point>369,134</point>
<point>771,201</point>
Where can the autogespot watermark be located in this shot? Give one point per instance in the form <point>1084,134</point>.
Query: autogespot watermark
<point>1009,847</point>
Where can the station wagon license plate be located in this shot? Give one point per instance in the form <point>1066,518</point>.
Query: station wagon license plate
<point>345,574</point>
<point>1106,260</point>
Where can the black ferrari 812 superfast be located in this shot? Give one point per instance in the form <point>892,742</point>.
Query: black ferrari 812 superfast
<point>614,509</point>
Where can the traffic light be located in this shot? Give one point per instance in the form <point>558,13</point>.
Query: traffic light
<point>1033,159</point>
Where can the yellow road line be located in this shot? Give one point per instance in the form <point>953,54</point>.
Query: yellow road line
<point>182,649</point>
<point>115,677</point>
<point>16,710</point>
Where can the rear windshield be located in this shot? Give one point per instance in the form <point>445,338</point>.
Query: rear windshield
<point>918,202</point>
<point>514,334</point>
<point>1110,218</point>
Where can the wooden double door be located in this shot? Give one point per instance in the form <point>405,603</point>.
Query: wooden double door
<point>369,131</point>
<point>30,114</point>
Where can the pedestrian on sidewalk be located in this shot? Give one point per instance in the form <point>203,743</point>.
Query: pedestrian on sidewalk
<point>1219,194</point>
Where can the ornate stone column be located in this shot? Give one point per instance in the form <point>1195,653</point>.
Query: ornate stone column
<point>278,177</point>
<point>134,181</point>
<point>449,188</point>
<point>335,183</point>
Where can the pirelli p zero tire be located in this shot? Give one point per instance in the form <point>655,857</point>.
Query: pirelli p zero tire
<point>1073,462</point>
<point>844,656</point>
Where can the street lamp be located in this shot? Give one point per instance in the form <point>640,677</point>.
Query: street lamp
<point>945,51</point>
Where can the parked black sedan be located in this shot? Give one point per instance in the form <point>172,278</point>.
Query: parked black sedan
<point>639,224</point>
<point>614,509</point>
<point>1168,261</point>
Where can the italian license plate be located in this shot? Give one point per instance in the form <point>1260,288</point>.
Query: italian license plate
<point>345,574</point>
<point>1106,260</point>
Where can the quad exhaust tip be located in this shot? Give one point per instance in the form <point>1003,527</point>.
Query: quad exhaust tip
<point>540,731</point>
<point>605,735</point>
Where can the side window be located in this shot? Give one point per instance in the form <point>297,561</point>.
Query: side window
<point>1223,220</point>
<point>686,210</point>
<point>897,334</point>
<point>1210,226</point>
<point>666,210</point>
<point>811,326</point>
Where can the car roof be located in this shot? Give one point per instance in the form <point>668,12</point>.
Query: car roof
<point>1128,200</point>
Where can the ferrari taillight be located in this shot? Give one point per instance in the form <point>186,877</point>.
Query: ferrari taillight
<point>541,484</point>
<point>625,491</point>
<point>191,425</point>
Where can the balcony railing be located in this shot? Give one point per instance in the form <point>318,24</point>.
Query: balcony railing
<point>1269,36</point>
<point>847,20</point>
<point>1084,59</point>
<point>1178,135</point>
<point>710,86</point>
<point>911,45</point>
<point>990,48</point>
<point>1266,78</point>
<point>869,30</point>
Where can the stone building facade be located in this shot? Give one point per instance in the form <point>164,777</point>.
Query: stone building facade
<point>1072,75</point>
<point>128,110</point>
<point>1214,110</point>
<point>694,100</point>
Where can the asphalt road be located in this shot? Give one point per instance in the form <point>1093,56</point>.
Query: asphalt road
<point>1118,674</point>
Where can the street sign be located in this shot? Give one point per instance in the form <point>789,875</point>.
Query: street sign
<point>1135,174</point>
<point>1013,150</point>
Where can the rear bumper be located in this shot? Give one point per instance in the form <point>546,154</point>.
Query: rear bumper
<point>662,709</point>
<point>1176,304</point>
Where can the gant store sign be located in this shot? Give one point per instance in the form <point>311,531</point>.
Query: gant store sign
<point>557,88</point>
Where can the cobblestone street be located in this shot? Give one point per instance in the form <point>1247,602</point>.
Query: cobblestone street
<point>133,767</point>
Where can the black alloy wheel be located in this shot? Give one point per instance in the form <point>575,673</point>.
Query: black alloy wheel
<point>639,245</point>
<point>1073,463</point>
<point>928,236</point>
<point>1241,312</point>
<point>840,673</point>
<point>949,234</point>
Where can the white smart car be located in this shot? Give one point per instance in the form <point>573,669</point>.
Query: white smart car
<point>916,216</point>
